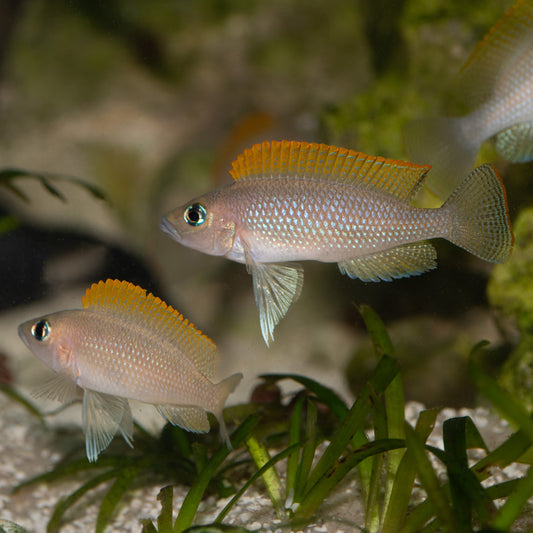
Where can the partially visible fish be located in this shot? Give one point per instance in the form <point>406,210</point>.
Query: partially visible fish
<point>296,201</point>
<point>497,84</point>
<point>127,344</point>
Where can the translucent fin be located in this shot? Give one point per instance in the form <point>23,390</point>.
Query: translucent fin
<point>480,216</point>
<point>224,389</point>
<point>59,388</point>
<point>516,143</point>
<point>102,416</point>
<point>400,262</point>
<point>441,143</point>
<point>123,299</point>
<point>191,418</point>
<point>496,53</point>
<point>276,286</point>
<point>321,161</point>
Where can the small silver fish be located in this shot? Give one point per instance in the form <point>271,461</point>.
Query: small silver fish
<point>497,85</point>
<point>295,201</point>
<point>127,344</point>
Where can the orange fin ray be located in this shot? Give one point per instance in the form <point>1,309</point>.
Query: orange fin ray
<point>320,161</point>
<point>131,302</point>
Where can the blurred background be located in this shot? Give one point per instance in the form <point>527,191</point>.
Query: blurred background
<point>151,101</point>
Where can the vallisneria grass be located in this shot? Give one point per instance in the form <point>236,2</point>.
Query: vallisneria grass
<point>322,441</point>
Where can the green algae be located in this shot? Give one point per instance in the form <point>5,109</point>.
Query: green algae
<point>511,290</point>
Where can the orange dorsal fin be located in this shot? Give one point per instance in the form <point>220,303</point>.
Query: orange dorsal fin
<point>322,161</point>
<point>498,52</point>
<point>132,303</point>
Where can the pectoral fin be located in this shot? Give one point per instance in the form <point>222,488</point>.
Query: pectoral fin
<point>60,388</point>
<point>191,418</point>
<point>276,286</point>
<point>102,416</point>
<point>399,262</point>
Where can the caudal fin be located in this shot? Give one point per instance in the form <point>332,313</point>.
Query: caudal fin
<point>224,389</point>
<point>441,143</point>
<point>480,216</point>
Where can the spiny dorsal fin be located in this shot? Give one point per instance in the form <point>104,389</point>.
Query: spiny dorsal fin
<point>498,52</point>
<point>321,161</point>
<point>123,299</point>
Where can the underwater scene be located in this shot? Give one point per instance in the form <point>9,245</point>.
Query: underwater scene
<point>266,266</point>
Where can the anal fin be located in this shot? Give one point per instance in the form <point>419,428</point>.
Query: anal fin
<point>192,418</point>
<point>400,262</point>
<point>516,143</point>
<point>102,416</point>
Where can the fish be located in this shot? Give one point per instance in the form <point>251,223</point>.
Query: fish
<point>495,84</point>
<point>293,201</point>
<point>126,344</point>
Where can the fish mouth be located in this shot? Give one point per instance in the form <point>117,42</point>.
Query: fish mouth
<point>168,228</point>
<point>23,331</point>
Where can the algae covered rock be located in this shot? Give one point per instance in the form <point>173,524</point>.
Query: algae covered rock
<point>511,290</point>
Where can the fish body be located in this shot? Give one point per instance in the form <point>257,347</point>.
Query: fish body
<point>295,201</point>
<point>126,344</point>
<point>497,85</point>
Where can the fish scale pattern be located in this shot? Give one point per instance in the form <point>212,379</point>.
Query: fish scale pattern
<point>290,218</point>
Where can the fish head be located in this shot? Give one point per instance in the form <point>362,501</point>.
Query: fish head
<point>204,224</point>
<point>50,339</point>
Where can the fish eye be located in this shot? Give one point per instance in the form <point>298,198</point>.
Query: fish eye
<point>41,330</point>
<point>195,215</point>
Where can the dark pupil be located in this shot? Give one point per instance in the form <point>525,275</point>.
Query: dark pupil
<point>194,215</point>
<point>41,330</point>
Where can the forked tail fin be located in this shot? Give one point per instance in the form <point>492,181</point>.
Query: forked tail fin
<point>441,143</point>
<point>480,216</point>
<point>224,389</point>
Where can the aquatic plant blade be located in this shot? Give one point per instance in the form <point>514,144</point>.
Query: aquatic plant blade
<point>125,477</point>
<point>65,503</point>
<point>398,503</point>
<point>323,393</point>
<point>293,459</point>
<point>511,450</point>
<point>73,467</point>
<point>512,508</point>
<point>148,526</point>
<point>191,502</point>
<point>334,475</point>
<point>467,494</point>
<point>375,487</point>
<point>218,528</point>
<point>164,520</point>
<point>394,401</point>
<point>429,480</point>
<point>308,452</point>
<point>377,331</point>
<point>7,175</point>
<point>276,459</point>
<point>270,476</point>
<point>19,398</point>
<point>6,526</point>
<point>354,421</point>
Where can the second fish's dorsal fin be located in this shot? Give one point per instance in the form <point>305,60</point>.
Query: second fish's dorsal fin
<point>131,302</point>
<point>498,52</point>
<point>322,161</point>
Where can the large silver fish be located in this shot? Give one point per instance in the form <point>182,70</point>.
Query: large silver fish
<point>497,85</point>
<point>126,344</point>
<point>296,201</point>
